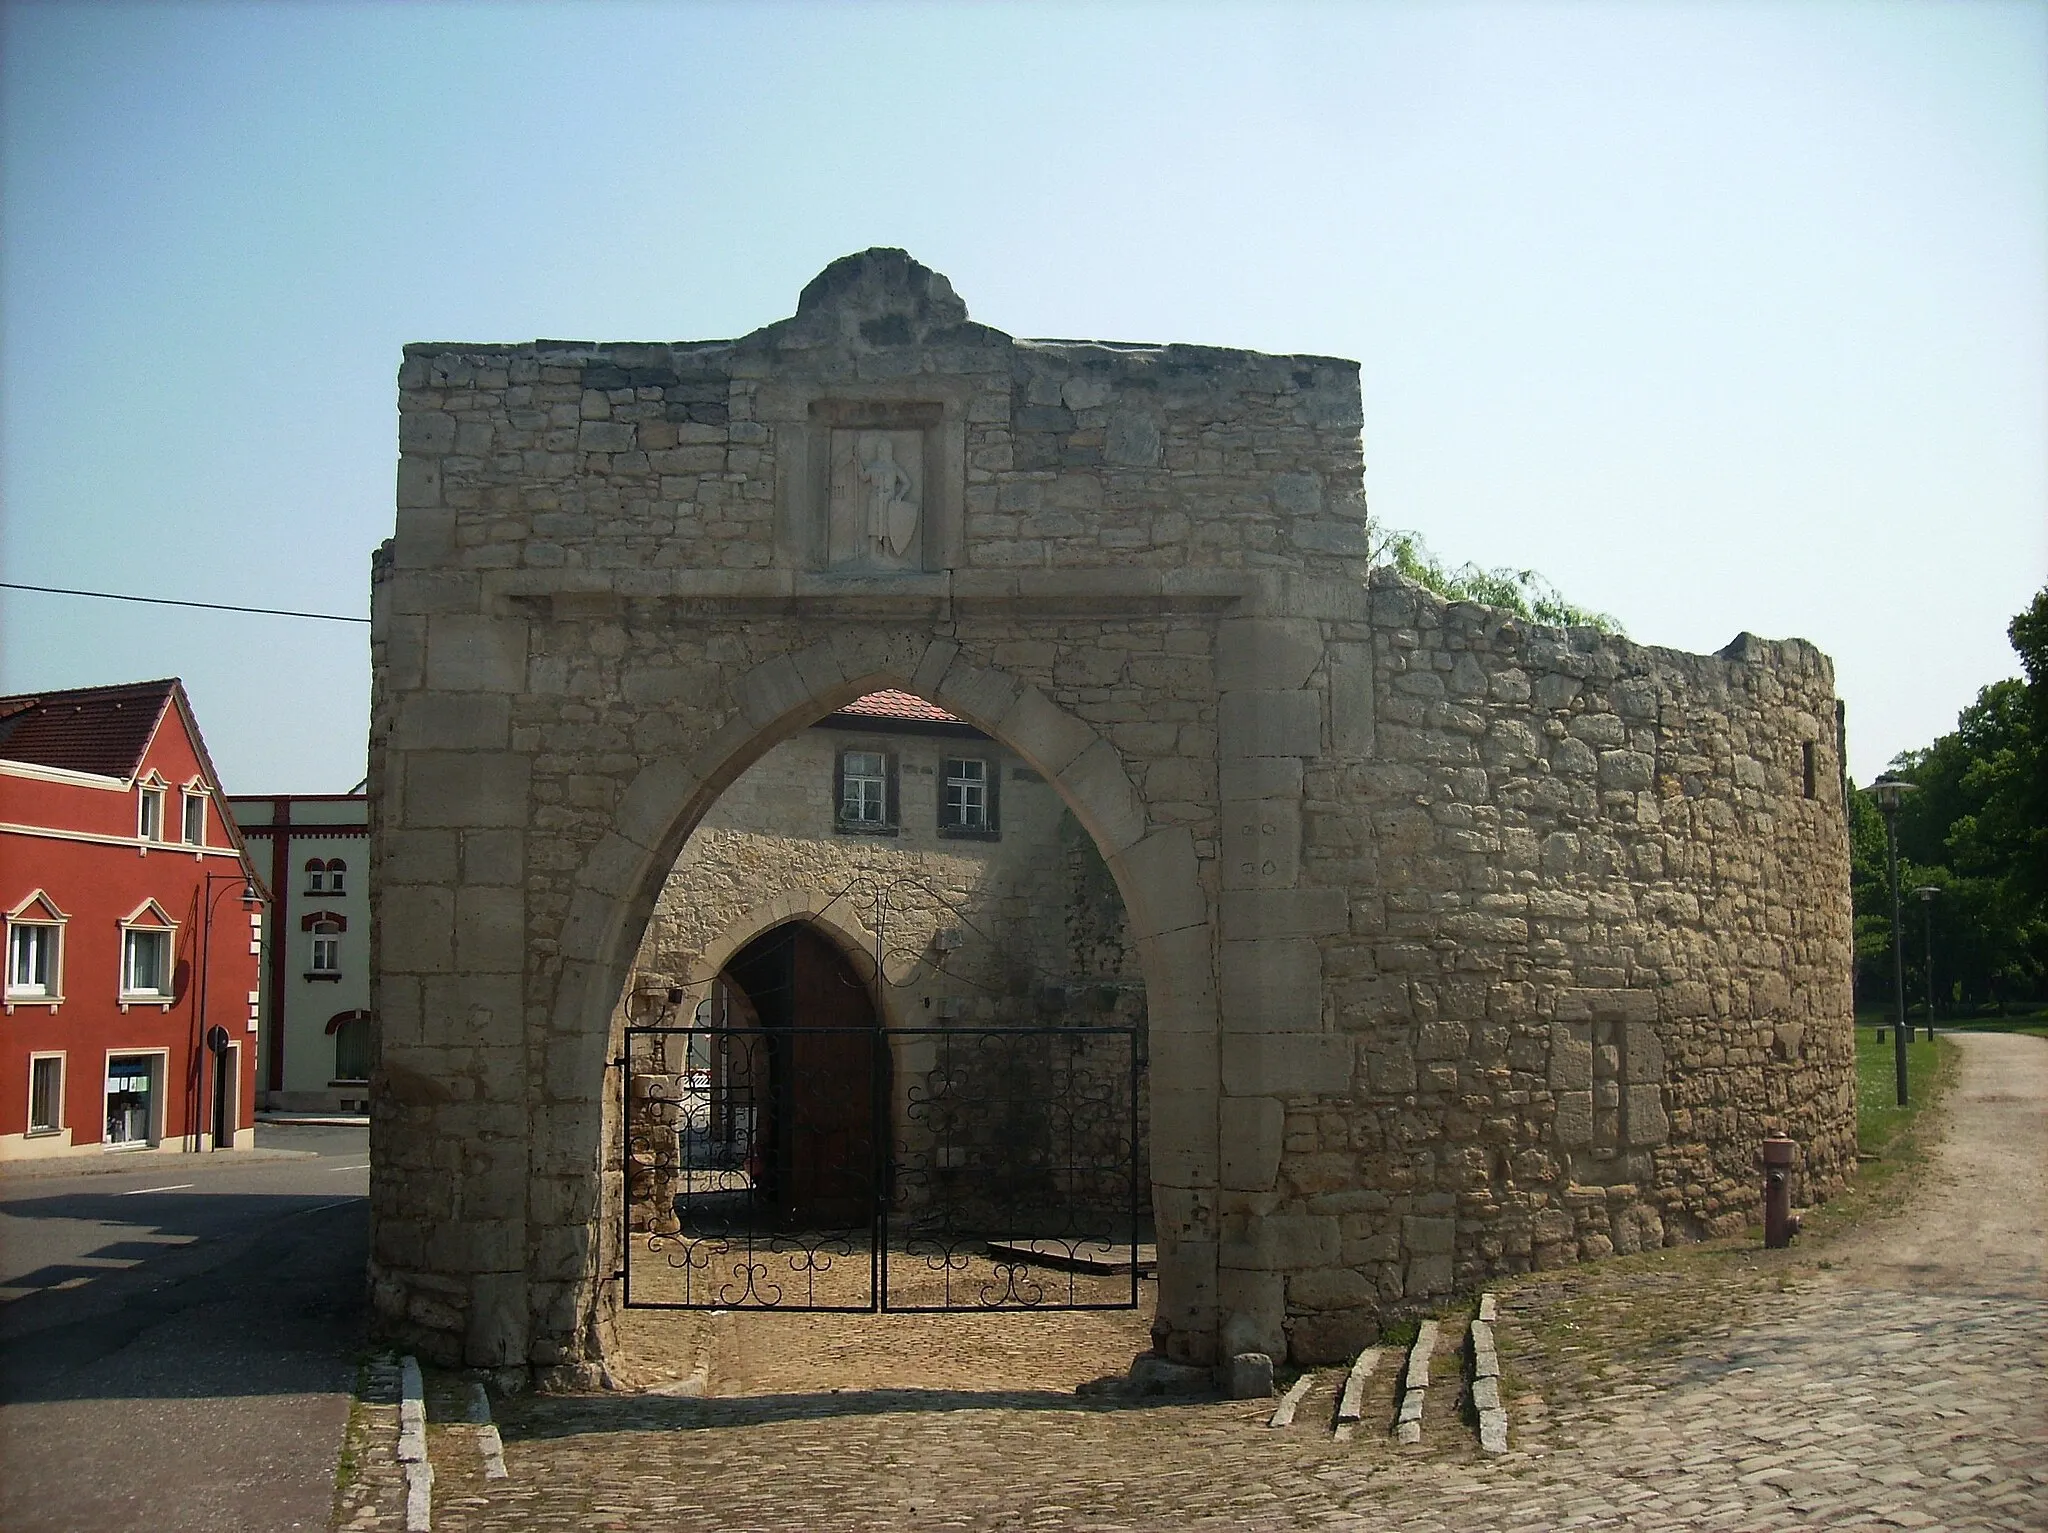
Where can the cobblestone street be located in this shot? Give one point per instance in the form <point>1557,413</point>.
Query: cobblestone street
<point>1896,1377</point>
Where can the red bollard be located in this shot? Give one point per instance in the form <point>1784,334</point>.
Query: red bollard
<point>1780,1224</point>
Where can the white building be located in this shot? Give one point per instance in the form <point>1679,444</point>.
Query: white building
<point>313,848</point>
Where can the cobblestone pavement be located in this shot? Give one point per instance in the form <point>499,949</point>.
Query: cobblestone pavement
<point>1895,1378</point>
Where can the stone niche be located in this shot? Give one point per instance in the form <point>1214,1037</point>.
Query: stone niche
<point>1466,946</point>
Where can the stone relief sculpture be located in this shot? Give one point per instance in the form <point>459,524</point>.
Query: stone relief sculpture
<point>892,510</point>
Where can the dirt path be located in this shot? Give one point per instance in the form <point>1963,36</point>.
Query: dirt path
<point>1978,1223</point>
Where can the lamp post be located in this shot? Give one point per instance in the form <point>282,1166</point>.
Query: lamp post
<point>1890,792</point>
<point>250,898</point>
<point>1927,892</point>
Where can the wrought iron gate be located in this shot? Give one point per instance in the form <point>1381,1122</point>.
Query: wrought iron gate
<point>843,1168</point>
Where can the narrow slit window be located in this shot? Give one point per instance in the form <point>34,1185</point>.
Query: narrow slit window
<point>1810,767</point>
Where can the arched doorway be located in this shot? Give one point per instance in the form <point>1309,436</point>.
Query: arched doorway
<point>811,1075</point>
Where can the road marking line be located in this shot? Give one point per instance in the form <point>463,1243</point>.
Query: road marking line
<point>363,1167</point>
<point>136,1192</point>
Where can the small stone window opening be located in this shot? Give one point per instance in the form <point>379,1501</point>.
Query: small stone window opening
<point>867,793</point>
<point>967,798</point>
<point>1811,769</point>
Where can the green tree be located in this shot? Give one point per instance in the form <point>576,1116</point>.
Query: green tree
<point>1977,830</point>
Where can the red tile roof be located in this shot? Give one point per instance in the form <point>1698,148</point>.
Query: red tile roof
<point>103,730</point>
<point>899,705</point>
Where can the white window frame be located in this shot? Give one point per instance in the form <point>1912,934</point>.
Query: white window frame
<point>973,809</point>
<point>337,876</point>
<point>56,1126</point>
<point>192,799</point>
<point>327,933</point>
<point>316,875</point>
<point>159,1079</point>
<point>149,813</point>
<point>51,921</point>
<point>877,780</point>
<point>149,917</point>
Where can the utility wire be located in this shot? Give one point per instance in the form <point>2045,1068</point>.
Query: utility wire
<point>166,601</point>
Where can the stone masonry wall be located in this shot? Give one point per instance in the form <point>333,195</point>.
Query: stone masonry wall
<point>1466,946</point>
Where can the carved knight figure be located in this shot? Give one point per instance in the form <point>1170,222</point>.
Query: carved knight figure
<point>891,500</point>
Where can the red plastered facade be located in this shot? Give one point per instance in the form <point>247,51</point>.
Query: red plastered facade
<point>129,932</point>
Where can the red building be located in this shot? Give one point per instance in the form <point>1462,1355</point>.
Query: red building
<point>134,924</point>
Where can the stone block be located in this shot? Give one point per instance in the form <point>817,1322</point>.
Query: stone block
<point>1043,733</point>
<point>983,697</point>
<point>1269,724</point>
<point>1180,983</point>
<point>1574,1122</point>
<point>465,789</point>
<point>1330,1288</point>
<point>492,857</point>
<point>1571,1056</point>
<point>1423,1236</point>
<point>1252,914</point>
<point>1351,699</point>
<point>461,721</point>
<point>415,929</point>
<point>1278,1243</point>
<point>490,930</point>
<point>652,805</point>
<point>1647,1123</point>
<point>1162,883</point>
<point>1251,1132</point>
<point>1261,844</point>
<point>1644,1054</point>
<point>419,483</point>
<point>1274,984</point>
<point>1252,1307</point>
<point>1184,1061</point>
<point>470,652</point>
<point>1248,1376</point>
<point>412,856</point>
<point>1104,799</point>
<point>1184,1138</point>
<point>771,692</point>
<point>1266,654</point>
<point>1426,1275</point>
<point>1332,1335</point>
<point>1287,1064</point>
<point>1259,777</point>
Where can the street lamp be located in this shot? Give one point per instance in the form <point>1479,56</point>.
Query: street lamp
<point>1927,892</point>
<point>1890,792</point>
<point>197,1094</point>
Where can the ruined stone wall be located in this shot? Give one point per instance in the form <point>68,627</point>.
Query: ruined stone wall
<point>1596,949</point>
<point>1466,946</point>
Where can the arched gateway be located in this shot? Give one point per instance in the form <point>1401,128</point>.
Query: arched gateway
<point>1467,946</point>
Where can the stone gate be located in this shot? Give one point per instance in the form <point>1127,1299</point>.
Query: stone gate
<point>1468,946</point>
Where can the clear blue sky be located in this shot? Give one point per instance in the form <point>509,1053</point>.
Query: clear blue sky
<point>1723,317</point>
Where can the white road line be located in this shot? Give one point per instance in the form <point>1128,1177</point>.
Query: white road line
<point>363,1167</point>
<point>136,1192</point>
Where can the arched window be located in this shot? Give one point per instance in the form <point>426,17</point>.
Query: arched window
<point>337,874</point>
<point>316,876</point>
<point>351,1046</point>
<point>326,947</point>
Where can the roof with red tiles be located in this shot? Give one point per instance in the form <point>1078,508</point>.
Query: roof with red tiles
<point>102,730</point>
<point>899,705</point>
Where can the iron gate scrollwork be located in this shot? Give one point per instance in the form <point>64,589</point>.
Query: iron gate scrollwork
<point>863,1168</point>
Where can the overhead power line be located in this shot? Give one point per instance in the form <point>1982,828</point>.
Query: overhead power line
<point>167,601</point>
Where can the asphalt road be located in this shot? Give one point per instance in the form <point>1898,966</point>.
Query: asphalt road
<point>178,1335</point>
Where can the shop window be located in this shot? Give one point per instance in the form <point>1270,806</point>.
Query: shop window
<point>45,1093</point>
<point>867,793</point>
<point>132,1082</point>
<point>967,798</point>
